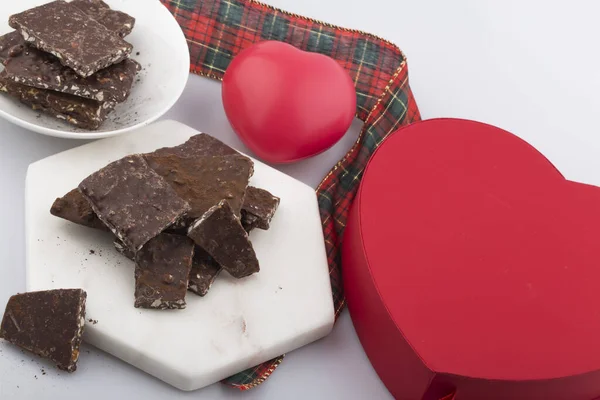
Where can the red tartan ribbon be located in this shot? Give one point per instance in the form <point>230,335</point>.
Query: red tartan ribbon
<point>217,30</point>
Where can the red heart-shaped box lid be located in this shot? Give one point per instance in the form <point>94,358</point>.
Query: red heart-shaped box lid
<point>472,266</point>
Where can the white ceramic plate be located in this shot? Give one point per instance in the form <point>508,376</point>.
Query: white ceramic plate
<point>239,324</point>
<point>163,54</point>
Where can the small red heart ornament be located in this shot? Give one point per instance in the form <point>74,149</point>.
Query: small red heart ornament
<point>472,268</point>
<point>287,104</point>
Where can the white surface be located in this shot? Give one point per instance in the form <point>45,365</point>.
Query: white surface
<point>526,66</point>
<point>238,325</point>
<point>164,57</point>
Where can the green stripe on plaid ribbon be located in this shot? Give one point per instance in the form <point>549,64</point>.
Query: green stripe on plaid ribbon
<point>217,30</point>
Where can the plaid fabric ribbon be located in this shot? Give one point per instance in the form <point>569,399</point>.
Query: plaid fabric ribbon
<point>217,30</point>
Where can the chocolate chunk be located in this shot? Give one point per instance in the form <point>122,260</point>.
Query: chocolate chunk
<point>258,208</point>
<point>113,20</point>
<point>48,323</point>
<point>205,181</point>
<point>75,208</point>
<point>204,272</point>
<point>162,270</point>
<point>132,200</point>
<point>36,68</point>
<point>77,40</point>
<point>124,250</point>
<point>221,234</point>
<point>249,221</point>
<point>11,43</point>
<point>80,112</point>
<point>201,145</point>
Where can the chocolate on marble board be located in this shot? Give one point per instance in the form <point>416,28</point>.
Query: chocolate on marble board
<point>204,272</point>
<point>80,112</point>
<point>113,20</point>
<point>222,235</point>
<point>75,208</point>
<point>33,67</point>
<point>47,323</point>
<point>134,201</point>
<point>258,208</point>
<point>204,181</point>
<point>124,250</point>
<point>76,39</point>
<point>200,145</point>
<point>162,270</point>
<point>249,221</point>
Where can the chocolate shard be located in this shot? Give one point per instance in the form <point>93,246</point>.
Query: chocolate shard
<point>221,234</point>
<point>76,39</point>
<point>11,44</point>
<point>258,208</point>
<point>201,145</point>
<point>135,202</point>
<point>75,208</point>
<point>204,272</point>
<point>249,221</point>
<point>119,22</point>
<point>162,270</point>
<point>80,112</point>
<point>204,181</point>
<point>124,250</point>
<point>47,323</point>
<point>32,67</point>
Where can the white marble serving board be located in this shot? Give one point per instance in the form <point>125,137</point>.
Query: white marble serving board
<point>239,324</point>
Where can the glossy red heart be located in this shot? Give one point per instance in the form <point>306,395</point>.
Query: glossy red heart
<point>471,266</point>
<point>287,104</point>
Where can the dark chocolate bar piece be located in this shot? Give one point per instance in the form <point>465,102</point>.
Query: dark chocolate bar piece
<point>76,39</point>
<point>113,20</point>
<point>162,270</point>
<point>221,234</point>
<point>201,145</point>
<point>135,202</point>
<point>11,44</point>
<point>75,208</point>
<point>204,181</point>
<point>48,323</point>
<point>124,250</point>
<point>258,208</point>
<point>32,67</point>
<point>80,112</point>
<point>204,272</point>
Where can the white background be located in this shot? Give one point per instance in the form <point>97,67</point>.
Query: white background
<point>531,67</point>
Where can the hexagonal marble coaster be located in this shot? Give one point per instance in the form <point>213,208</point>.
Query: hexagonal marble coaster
<point>239,324</point>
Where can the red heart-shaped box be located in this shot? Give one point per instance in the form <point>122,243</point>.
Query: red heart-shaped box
<point>472,266</point>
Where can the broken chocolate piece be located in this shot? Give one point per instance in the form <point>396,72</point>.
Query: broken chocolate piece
<point>75,208</point>
<point>249,221</point>
<point>77,40</point>
<point>204,272</point>
<point>36,68</point>
<point>124,250</point>
<point>258,208</point>
<point>204,181</point>
<point>83,113</point>
<point>162,270</point>
<point>48,323</point>
<point>201,145</point>
<point>221,234</point>
<point>132,200</point>
<point>11,44</point>
<point>113,20</point>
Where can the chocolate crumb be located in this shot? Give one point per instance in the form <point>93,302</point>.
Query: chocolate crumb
<point>92,252</point>
<point>137,54</point>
